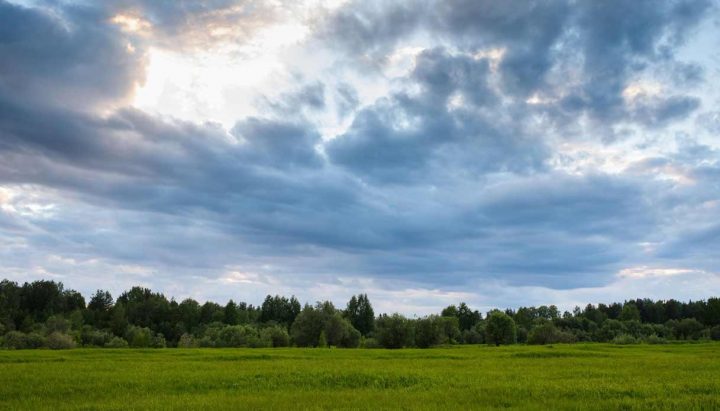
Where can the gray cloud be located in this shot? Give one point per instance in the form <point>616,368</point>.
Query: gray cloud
<point>449,179</point>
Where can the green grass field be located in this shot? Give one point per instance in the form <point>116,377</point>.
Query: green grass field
<point>592,376</point>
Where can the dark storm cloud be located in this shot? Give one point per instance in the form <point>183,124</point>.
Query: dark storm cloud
<point>66,57</point>
<point>401,137</point>
<point>445,181</point>
<point>609,41</point>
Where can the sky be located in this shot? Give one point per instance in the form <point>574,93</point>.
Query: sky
<point>502,153</point>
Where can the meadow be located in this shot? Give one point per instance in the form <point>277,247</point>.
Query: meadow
<point>587,376</point>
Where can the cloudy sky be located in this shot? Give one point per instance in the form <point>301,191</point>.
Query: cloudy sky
<point>502,153</point>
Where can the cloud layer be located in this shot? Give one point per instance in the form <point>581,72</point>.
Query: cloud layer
<point>423,152</point>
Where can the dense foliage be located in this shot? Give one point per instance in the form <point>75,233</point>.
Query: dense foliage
<point>43,314</point>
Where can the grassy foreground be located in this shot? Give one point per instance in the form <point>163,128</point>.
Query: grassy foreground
<point>592,376</point>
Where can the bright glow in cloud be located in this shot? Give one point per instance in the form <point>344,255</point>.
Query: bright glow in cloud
<point>218,84</point>
<point>132,24</point>
<point>647,272</point>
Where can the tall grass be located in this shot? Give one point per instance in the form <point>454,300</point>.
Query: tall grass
<point>583,376</point>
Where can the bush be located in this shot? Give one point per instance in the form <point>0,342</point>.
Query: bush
<point>143,337</point>
<point>715,333</point>
<point>60,341</point>
<point>117,342</point>
<point>238,336</point>
<point>187,341</point>
<point>654,339</point>
<point>15,340</point>
<point>90,337</point>
<point>369,343</point>
<point>472,337</point>
<point>394,331</point>
<point>340,333</point>
<point>548,334</point>
<point>351,339</point>
<point>276,336</point>
<point>322,341</point>
<point>609,330</point>
<point>36,340</point>
<point>625,339</point>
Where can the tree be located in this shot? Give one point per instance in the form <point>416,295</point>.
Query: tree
<point>98,309</point>
<point>308,325</point>
<point>449,311</point>
<point>360,313</point>
<point>188,312</point>
<point>500,329</point>
<point>394,331</point>
<point>428,331</point>
<point>230,313</point>
<point>467,318</point>
<point>630,312</point>
<point>118,320</point>
<point>339,332</point>
<point>279,309</point>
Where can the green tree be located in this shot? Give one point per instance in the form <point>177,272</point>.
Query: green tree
<point>630,312</point>
<point>429,331</point>
<point>306,328</point>
<point>361,314</point>
<point>394,331</point>
<point>467,318</point>
<point>230,313</point>
<point>500,329</point>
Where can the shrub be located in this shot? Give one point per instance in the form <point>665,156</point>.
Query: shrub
<point>340,333</point>
<point>36,340</point>
<point>59,341</point>
<point>351,338</point>
<point>15,340</point>
<point>369,343</point>
<point>276,335</point>
<point>654,339</point>
<point>117,342</point>
<point>158,341</point>
<point>548,334</point>
<point>187,341</point>
<point>237,336</point>
<point>90,337</point>
<point>471,336</point>
<point>138,337</point>
<point>143,337</point>
<point>394,331</point>
<point>625,339</point>
<point>715,333</point>
<point>322,341</point>
<point>609,330</point>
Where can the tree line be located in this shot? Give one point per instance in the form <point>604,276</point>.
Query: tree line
<point>43,314</point>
